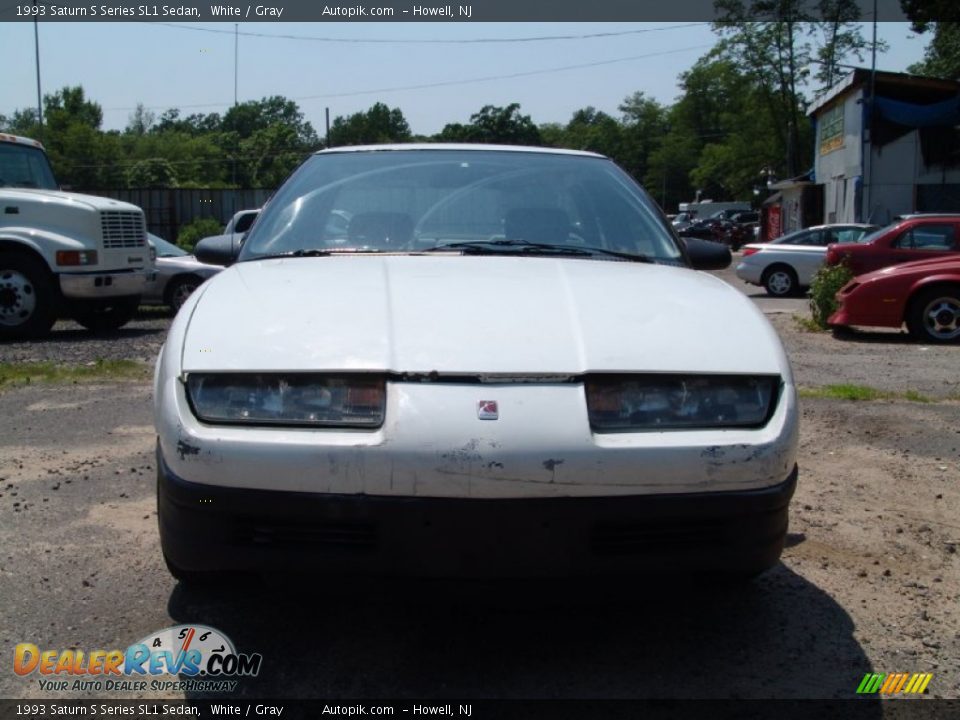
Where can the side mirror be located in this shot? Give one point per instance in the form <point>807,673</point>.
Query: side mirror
<point>706,255</point>
<point>218,250</point>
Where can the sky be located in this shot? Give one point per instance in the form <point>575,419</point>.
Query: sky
<point>188,67</point>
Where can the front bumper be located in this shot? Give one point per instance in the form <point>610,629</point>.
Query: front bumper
<point>749,272</point>
<point>210,528</point>
<point>103,284</point>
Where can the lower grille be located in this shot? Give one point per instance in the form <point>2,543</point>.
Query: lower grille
<point>343,536</point>
<point>632,539</point>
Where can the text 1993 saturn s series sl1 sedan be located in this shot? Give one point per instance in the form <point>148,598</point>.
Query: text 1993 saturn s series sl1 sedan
<point>503,365</point>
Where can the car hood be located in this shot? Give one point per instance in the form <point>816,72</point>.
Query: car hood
<point>187,263</point>
<point>464,314</point>
<point>923,267</point>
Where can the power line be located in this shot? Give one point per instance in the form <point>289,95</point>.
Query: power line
<point>468,41</point>
<point>449,83</point>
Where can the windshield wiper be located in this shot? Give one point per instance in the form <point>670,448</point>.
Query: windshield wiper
<point>317,252</point>
<point>493,247</point>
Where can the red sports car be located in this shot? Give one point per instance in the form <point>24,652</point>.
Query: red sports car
<point>911,237</point>
<point>924,294</point>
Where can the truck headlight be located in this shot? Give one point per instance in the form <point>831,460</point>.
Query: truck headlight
<point>679,402</point>
<point>76,257</point>
<point>289,399</point>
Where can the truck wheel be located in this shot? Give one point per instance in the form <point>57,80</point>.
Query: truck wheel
<point>103,316</point>
<point>27,297</point>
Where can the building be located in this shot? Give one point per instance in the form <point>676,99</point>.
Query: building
<point>908,161</point>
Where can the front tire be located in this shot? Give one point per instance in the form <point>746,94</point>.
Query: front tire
<point>780,281</point>
<point>179,290</point>
<point>28,306</point>
<point>934,315</point>
<point>104,316</point>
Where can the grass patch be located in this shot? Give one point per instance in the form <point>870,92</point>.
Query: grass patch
<point>25,373</point>
<point>807,324</point>
<point>861,393</point>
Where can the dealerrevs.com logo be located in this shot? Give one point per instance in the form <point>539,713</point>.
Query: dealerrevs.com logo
<point>894,683</point>
<point>203,657</point>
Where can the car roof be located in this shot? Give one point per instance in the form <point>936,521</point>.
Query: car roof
<point>473,147</point>
<point>911,216</point>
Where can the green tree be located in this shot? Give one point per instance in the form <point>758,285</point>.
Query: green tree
<point>591,129</point>
<point>152,173</point>
<point>497,125</point>
<point>941,58</point>
<point>194,231</point>
<point>644,127</point>
<point>379,124</point>
<point>141,120</point>
<point>941,18</point>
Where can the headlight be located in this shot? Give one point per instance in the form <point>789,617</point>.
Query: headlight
<point>679,402</point>
<point>307,399</point>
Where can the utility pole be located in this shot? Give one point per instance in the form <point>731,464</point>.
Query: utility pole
<point>327,138</point>
<point>233,165</point>
<point>36,45</point>
<point>236,58</point>
<point>872,110</point>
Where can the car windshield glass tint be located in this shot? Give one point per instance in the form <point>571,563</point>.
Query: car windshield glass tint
<point>244,222</point>
<point>413,201</point>
<point>166,249</point>
<point>795,238</point>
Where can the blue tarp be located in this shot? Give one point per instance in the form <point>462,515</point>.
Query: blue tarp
<point>942,114</point>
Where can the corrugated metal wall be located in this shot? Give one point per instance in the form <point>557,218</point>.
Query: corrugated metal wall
<point>167,210</point>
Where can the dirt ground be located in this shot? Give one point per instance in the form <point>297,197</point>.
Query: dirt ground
<point>869,582</point>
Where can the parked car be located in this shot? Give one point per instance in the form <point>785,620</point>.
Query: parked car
<point>510,369</point>
<point>241,221</point>
<point>710,228</point>
<point>924,294</point>
<point>178,274</point>
<point>786,266</point>
<point>909,238</point>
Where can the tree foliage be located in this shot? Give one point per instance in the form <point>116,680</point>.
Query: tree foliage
<point>495,125</point>
<point>379,124</point>
<point>941,58</point>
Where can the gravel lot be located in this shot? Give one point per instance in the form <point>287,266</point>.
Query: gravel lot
<point>870,580</point>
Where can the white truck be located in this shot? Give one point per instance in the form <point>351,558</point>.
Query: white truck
<point>64,254</point>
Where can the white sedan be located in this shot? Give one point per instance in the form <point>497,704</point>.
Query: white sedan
<point>509,368</point>
<point>786,266</point>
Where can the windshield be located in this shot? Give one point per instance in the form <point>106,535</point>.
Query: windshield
<point>873,235</point>
<point>490,200</point>
<point>166,249</point>
<point>790,238</point>
<point>25,167</point>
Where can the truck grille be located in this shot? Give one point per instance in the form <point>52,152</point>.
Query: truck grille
<point>122,229</point>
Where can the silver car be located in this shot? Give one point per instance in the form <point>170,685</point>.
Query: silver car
<point>178,274</point>
<point>787,265</point>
